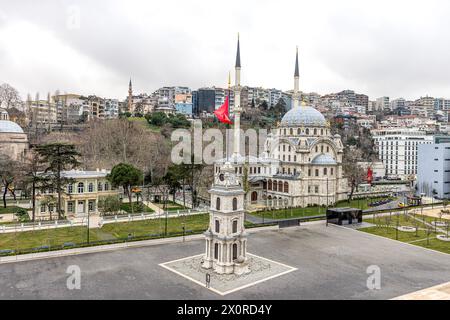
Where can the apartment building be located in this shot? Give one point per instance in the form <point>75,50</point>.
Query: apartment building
<point>398,150</point>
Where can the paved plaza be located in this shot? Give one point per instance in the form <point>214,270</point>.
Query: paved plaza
<point>331,263</point>
<point>261,270</point>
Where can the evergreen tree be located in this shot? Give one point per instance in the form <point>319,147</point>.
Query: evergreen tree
<point>57,157</point>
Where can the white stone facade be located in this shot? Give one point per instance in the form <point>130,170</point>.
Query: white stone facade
<point>226,238</point>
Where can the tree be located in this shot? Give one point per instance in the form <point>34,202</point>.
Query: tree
<point>126,176</point>
<point>354,173</point>
<point>172,178</point>
<point>9,96</point>
<point>31,169</point>
<point>58,157</point>
<point>109,205</point>
<point>8,172</point>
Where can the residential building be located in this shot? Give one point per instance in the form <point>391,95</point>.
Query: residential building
<point>382,104</point>
<point>397,149</point>
<point>433,170</point>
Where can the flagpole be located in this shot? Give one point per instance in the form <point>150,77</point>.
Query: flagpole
<point>228,97</point>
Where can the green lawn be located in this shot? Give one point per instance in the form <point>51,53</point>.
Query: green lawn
<point>312,211</point>
<point>51,237</point>
<point>290,213</point>
<point>137,208</point>
<point>385,228</point>
<point>157,226</point>
<point>171,206</point>
<point>9,209</point>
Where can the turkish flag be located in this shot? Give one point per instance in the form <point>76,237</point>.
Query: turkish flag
<point>369,175</point>
<point>222,113</point>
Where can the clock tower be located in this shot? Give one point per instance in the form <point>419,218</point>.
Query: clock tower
<point>226,238</point>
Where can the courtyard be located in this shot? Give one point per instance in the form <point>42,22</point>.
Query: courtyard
<point>330,262</point>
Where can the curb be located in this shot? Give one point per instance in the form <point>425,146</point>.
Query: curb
<point>111,247</point>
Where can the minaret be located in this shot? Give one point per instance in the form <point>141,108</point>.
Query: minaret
<point>130,97</point>
<point>226,238</point>
<point>295,96</point>
<point>237,102</point>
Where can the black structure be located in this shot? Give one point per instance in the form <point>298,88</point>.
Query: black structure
<point>337,215</point>
<point>205,100</point>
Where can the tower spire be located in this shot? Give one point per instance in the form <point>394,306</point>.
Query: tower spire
<point>238,54</point>
<point>295,96</point>
<point>237,101</point>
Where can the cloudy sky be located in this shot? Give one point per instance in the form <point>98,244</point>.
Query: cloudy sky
<point>395,48</point>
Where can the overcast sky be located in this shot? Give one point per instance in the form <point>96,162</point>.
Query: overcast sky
<point>394,48</point>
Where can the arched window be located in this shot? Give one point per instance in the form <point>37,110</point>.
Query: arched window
<point>298,131</point>
<point>99,186</point>
<point>309,172</point>
<point>291,131</point>
<point>317,172</point>
<point>106,186</point>
<point>317,148</point>
<point>235,225</point>
<point>321,149</point>
<point>321,131</point>
<point>275,185</point>
<point>325,171</point>
<point>81,187</point>
<point>280,186</point>
<point>286,187</point>
<point>235,251</point>
<point>328,149</point>
<point>234,204</point>
<point>284,131</point>
<point>217,203</point>
<point>332,171</point>
<point>216,251</point>
<point>91,187</point>
<point>307,131</point>
<point>70,188</point>
<point>295,158</point>
<point>269,185</point>
<point>217,226</point>
<point>315,132</point>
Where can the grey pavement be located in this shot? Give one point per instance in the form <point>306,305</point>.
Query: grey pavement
<point>331,261</point>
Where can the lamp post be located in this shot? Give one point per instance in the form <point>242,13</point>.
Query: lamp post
<point>88,218</point>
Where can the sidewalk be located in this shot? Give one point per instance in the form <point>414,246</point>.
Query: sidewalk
<point>440,292</point>
<point>111,247</point>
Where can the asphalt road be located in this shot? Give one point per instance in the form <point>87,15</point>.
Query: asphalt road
<point>331,261</point>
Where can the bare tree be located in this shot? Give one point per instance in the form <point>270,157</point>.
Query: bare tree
<point>8,172</point>
<point>9,96</point>
<point>354,173</point>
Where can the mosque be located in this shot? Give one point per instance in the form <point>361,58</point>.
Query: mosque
<point>302,161</point>
<point>13,140</point>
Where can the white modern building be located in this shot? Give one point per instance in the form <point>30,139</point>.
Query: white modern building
<point>397,149</point>
<point>433,170</point>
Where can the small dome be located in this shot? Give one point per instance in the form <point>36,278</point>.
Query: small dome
<point>303,116</point>
<point>9,127</point>
<point>323,159</point>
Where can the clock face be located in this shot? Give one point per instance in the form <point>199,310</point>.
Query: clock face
<point>221,177</point>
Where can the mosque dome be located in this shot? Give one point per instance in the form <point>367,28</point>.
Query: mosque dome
<point>9,127</point>
<point>303,116</point>
<point>323,159</point>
